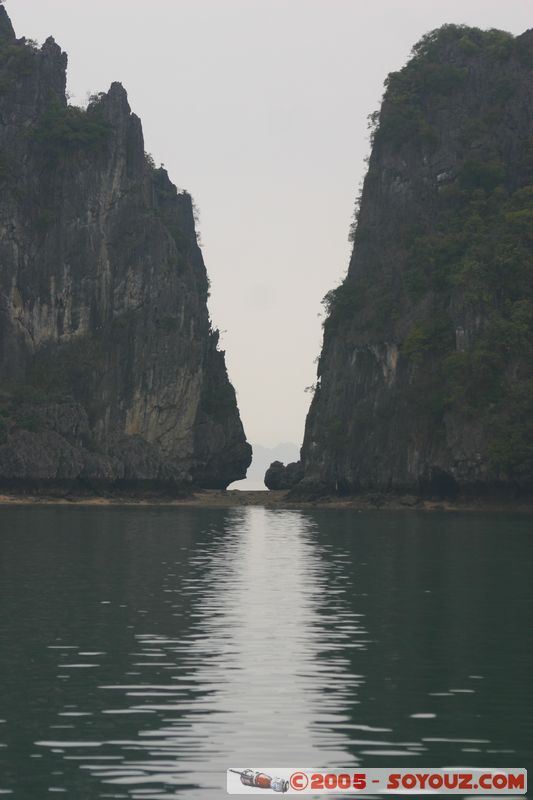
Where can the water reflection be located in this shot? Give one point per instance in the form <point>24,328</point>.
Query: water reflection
<point>254,665</point>
<point>145,651</point>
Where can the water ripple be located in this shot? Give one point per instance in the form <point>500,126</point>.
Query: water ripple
<point>192,641</point>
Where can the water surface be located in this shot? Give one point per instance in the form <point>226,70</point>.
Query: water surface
<point>143,651</point>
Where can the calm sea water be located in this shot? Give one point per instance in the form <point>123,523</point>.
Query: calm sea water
<point>142,651</point>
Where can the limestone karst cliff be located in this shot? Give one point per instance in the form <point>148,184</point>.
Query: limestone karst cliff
<point>110,372</point>
<point>425,381</point>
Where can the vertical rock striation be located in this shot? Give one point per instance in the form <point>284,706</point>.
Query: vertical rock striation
<point>110,371</point>
<point>425,381</point>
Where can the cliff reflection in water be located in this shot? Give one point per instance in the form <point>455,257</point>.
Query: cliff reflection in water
<point>144,651</point>
<point>263,646</point>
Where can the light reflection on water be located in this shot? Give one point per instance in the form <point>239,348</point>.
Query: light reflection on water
<point>145,651</point>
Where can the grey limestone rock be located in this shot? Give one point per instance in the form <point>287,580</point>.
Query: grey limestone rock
<point>105,336</point>
<point>425,380</point>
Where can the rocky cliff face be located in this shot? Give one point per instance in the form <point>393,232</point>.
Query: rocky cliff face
<point>110,371</point>
<point>425,381</point>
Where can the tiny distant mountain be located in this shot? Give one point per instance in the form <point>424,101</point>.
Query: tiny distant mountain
<point>262,458</point>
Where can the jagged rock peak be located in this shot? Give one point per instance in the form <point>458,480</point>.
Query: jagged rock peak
<point>110,374</point>
<point>7,32</point>
<point>118,96</point>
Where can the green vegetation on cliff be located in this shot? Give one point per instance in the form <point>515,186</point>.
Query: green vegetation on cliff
<point>482,249</point>
<point>429,79</point>
<point>65,128</point>
<point>441,274</point>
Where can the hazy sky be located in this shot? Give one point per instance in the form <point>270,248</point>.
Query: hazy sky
<point>259,108</point>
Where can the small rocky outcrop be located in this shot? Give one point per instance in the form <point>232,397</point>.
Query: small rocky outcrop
<point>110,371</point>
<point>279,476</point>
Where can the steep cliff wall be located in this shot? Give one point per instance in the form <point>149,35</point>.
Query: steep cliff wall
<point>425,381</point>
<point>110,372</point>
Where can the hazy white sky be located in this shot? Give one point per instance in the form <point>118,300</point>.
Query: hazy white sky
<point>259,109</point>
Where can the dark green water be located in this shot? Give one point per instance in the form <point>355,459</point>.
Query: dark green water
<point>145,651</point>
